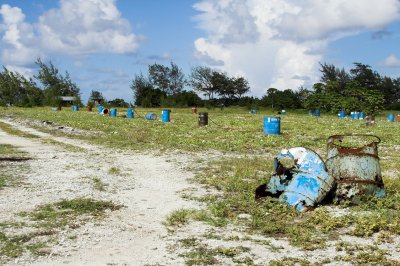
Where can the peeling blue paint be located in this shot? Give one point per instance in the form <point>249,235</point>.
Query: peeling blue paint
<point>304,185</point>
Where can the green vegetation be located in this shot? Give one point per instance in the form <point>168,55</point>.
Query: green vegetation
<point>10,130</point>
<point>233,130</point>
<point>64,145</point>
<point>114,171</point>
<point>47,220</point>
<point>66,212</point>
<point>7,175</point>
<point>98,184</point>
<point>9,151</point>
<point>229,130</point>
<point>201,254</point>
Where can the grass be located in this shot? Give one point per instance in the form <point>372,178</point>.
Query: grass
<point>48,220</point>
<point>233,130</point>
<point>114,171</point>
<point>12,131</point>
<point>9,151</point>
<point>230,130</point>
<point>238,177</point>
<point>98,184</point>
<point>198,253</point>
<point>8,174</point>
<point>68,147</point>
<point>67,212</point>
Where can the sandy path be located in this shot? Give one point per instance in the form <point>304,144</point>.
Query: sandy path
<point>147,185</point>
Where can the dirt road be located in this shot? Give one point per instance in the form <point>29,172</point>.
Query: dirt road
<point>147,185</point>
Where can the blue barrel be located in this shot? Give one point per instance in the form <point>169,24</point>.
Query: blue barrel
<point>310,113</point>
<point>272,125</point>
<point>113,112</point>
<point>165,115</point>
<point>75,108</point>
<point>151,116</point>
<point>283,112</point>
<point>361,116</point>
<point>129,113</point>
<point>99,109</point>
<point>356,115</point>
<point>342,114</point>
<point>317,112</point>
<point>390,117</point>
<point>253,111</point>
<point>352,115</point>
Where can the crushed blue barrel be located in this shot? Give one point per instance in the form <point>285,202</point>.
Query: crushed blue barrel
<point>349,173</point>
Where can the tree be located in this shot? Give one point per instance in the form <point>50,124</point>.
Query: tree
<point>231,89</point>
<point>240,87</point>
<point>176,79</point>
<point>117,102</point>
<point>145,94</point>
<point>17,90</point>
<point>337,78</point>
<point>286,99</point>
<point>158,77</point>
<point>168,80</point>
<point>55,85</point>
<point>96,95</point>
<point>363,90</point>
<point>201,80</point>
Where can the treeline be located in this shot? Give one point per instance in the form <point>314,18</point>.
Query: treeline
<point>164,86</point>
<point>17,90</point>
<point>360,89</point>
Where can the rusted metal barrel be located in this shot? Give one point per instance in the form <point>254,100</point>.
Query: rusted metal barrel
<point>194,110</point>
<point>203,119</point>
<point>352,160</point>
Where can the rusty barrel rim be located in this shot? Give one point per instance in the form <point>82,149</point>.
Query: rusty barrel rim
<point>333,138</point>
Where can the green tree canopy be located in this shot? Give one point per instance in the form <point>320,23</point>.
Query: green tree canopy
<point>17,90</point>
<point>55,84</point>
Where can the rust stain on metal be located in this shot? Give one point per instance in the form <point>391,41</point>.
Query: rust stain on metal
<point>356,170</point>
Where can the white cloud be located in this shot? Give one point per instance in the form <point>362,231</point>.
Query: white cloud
<point>86,26</point>
<point>277,41</point>
<point>77,27</point>
<point>315,19</point>
<point>392,61</point>
<point>17,41</point>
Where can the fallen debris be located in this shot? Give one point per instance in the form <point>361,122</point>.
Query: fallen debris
<point>350,173</point>
<point>304,184</point>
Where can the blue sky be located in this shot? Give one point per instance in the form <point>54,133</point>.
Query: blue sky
<point>275,43</point>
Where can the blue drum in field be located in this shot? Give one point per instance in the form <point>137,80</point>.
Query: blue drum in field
<point>342,114</point>
<point>99,109</point>
<point>272,125</point>
<point>113,112</point>
<point>317,112</point>
<point>361,116</point>
<point>151,116</point>
<point>129,113</point>
<point>310,113</point>
<point>165,115</point>
<point>75,108</point>
<point>390,117</point>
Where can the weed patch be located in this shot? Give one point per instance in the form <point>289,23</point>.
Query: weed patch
<point>12,131</point>
<point>65,146</point>
<point>48,220</point>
